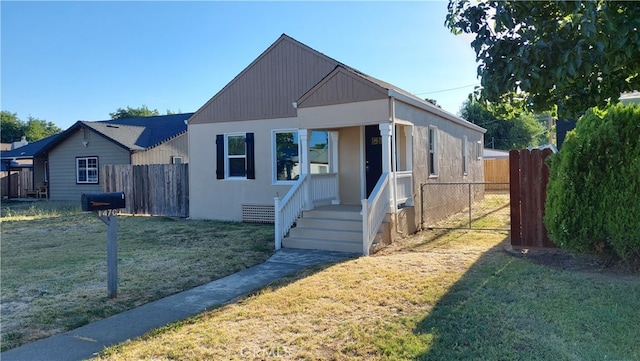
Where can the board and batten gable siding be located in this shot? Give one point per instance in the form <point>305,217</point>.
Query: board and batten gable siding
<point>267,88</point>
<point>222,199</point>
<point>62,164</point>
<point>340,87</point>
<point>163,153</point>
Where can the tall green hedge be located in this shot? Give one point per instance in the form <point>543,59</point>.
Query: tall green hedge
<point>593,196</point>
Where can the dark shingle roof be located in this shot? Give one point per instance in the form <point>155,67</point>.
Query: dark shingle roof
<point>135,134</point>
<point>141,133</point>
<point>32,149</point>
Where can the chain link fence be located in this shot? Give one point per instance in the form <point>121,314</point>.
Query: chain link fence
<point>465,206</point>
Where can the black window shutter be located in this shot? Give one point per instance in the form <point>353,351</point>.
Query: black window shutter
<point>220,156</point>
<point>251,159</point>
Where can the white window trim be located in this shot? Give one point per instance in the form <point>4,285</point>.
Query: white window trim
<point>274,162</point>
<point>479,150</point>
<point>176,158</point>
<point>227,166</point>
<point>465,155</point>
<point>433,173</point>
<point>78,181</point>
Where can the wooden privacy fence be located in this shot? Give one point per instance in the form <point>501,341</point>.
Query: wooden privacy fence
<point>496,173</point>
<point>155,189</point>
<point>16,187</point>
<point>529,175</point>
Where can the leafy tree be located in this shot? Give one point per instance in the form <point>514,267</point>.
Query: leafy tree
<point>130,112</point>
<point>538,54</point>
<point>36,129</point>
<point>11,127</point>
<point>511,133</point>
<point>33,129</point>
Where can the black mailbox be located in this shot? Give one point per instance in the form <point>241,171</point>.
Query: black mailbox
<point>102,201</point>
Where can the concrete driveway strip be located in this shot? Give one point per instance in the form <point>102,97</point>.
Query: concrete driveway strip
<point>86,341</point>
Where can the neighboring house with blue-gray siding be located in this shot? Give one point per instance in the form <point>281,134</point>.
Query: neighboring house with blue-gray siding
<point>33,158</point>
<point>76,158</point>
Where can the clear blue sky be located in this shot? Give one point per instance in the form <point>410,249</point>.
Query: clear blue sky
<point>69,61</point>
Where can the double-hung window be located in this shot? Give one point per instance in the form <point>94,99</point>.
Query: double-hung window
<point>87,170</point>
<point>235,158</point>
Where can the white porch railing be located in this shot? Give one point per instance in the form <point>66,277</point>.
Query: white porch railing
<point>289,208</point>
<point>373,211</point>
<point>324,187</point>
<point>404,187</point>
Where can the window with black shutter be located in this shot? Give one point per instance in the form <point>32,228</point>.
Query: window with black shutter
<point>235,156</point>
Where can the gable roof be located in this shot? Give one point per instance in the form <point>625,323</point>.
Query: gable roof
<point>362,87</point>
<point>133,134</point>
<point>264,88</point>
<point>32,149</point>
<point>354,87</point>
<point>139,134</point>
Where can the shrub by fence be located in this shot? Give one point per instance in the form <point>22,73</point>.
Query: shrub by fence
<point>155,189</point>
<point>594,194</point>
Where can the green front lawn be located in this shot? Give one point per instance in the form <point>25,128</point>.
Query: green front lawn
<point>54,273</point>
<point>438,295</point>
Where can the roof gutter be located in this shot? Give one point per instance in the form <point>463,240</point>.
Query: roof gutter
<point>434,110</point>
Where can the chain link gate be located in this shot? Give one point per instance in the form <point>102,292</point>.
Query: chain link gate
<point>481,206</point>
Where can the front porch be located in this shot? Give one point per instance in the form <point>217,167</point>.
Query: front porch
<point>331,227</point>
<point>314,215</point>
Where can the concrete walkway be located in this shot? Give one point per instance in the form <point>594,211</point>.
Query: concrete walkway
<point>86,341</point>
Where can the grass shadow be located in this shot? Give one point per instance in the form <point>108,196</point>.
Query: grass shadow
<point>200,320</point>
<point>510,308</point>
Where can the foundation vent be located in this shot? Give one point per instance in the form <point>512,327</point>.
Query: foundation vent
<point>258,213</point>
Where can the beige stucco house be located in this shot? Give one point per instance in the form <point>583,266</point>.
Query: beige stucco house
<point>331,155</point>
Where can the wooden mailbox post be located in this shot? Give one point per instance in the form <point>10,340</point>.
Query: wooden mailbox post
<point>105,206</point>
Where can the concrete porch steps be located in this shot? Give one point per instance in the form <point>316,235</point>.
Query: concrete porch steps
<point>322,244</point>
<point>332,228</point>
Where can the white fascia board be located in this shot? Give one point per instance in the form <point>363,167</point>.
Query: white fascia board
<point>435,110</point>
